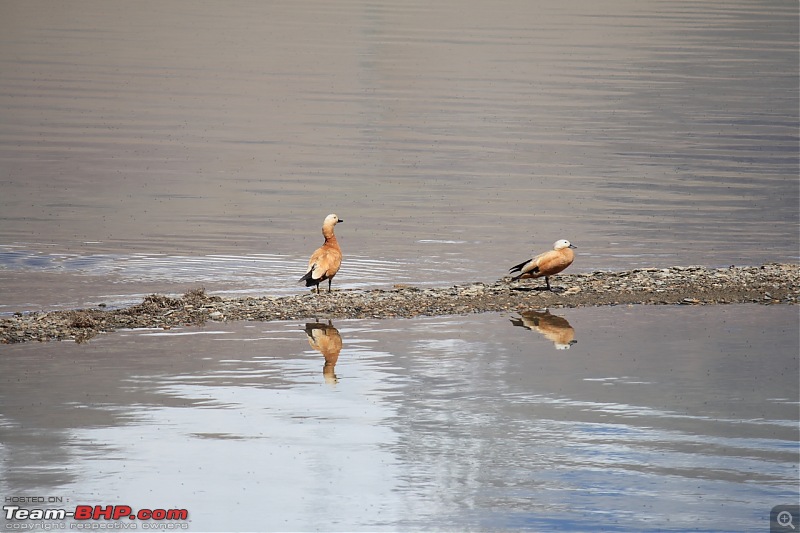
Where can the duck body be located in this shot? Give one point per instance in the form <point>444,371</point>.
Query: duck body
<point>327,259</point>
<point>546,264</point>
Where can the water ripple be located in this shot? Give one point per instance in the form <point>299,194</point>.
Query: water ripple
<point>278,273</point>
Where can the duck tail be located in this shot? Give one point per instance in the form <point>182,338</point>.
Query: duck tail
<point>517,268</point>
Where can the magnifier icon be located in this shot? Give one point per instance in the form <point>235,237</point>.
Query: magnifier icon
<point>784,519</point>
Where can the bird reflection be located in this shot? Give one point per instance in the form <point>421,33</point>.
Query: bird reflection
<point>326,340</point>
<point>553,327</point>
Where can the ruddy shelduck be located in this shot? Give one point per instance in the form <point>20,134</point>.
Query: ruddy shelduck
<point>546,264</point>
<point>326,260</point>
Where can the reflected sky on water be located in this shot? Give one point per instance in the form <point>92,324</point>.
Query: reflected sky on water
<point>658,418</point>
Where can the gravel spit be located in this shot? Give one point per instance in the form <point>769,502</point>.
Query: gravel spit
<point>691,285</point>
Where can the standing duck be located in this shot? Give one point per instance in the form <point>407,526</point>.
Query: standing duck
<point>326,260</point>
<point>546,264</point>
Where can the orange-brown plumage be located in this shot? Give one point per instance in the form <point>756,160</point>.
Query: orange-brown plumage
<point>326,260</point>
<point>546,264</point>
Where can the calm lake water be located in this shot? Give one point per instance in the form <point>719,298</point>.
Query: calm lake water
<point>657,419</point>
<point>161,146</point>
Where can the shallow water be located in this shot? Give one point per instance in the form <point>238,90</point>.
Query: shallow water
<point>184,144</point>
<point>657,418</point>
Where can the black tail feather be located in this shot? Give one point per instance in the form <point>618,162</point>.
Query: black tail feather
<point>517,268</point>
<point>308,279</point>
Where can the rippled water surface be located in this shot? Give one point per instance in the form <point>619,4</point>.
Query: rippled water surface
<point>159,146</point>
<point>657,418</point>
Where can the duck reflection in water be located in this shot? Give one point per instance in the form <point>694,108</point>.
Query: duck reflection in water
<point>553,327</point>
<point>325,339</point>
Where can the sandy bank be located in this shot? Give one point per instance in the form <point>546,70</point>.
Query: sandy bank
<point>694,285</point>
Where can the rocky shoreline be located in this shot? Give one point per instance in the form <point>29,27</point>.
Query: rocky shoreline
<point>693,285</point>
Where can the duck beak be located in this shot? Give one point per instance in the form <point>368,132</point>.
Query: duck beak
<point>571,245</point>
<point>340,220</point>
